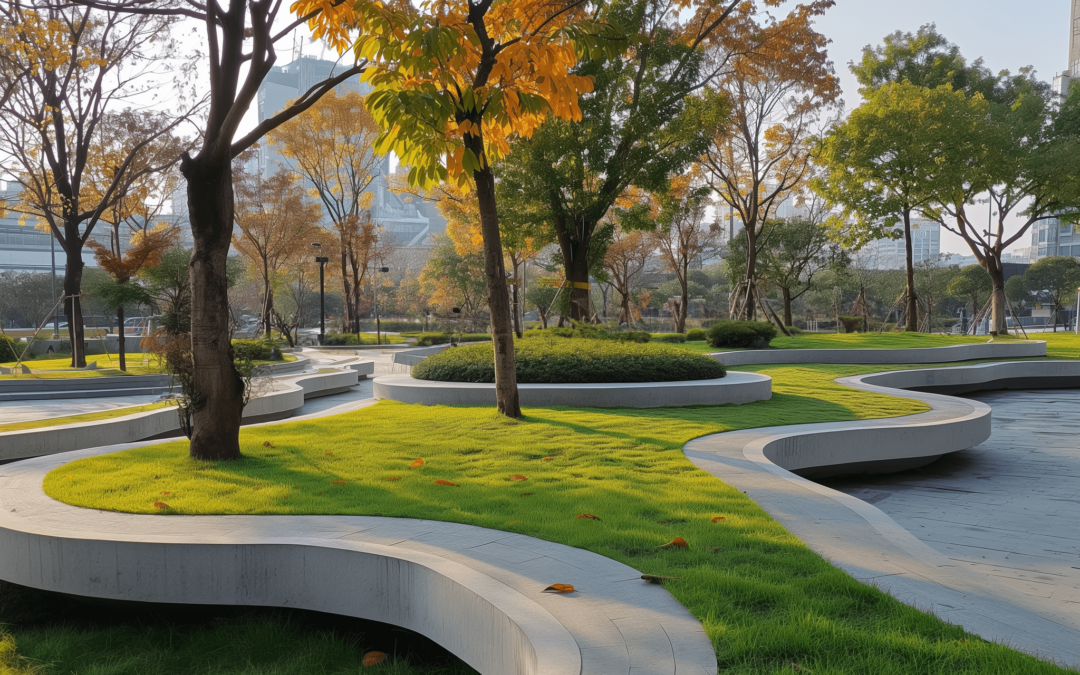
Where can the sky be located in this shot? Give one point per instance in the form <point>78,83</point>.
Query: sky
<point>1006,33</point>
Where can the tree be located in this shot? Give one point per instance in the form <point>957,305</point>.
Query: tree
<point>793,251</point>
<point>684,236</point>
<point>542,298</point>
<point>1055,278</point>
<point>624,258</point>
<point>924,59</point>
<point>30,294</point>
<point>454,280</point>
<point>972,283</point>
<point>63,70</point>
<point>331,146</point>
<point>881,162</point>
<point>277,224</point>
<point>452,83</point>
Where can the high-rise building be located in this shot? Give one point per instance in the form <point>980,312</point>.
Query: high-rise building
<point>890,254</point>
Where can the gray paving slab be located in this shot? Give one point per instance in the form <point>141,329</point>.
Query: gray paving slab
<point>29,411</point>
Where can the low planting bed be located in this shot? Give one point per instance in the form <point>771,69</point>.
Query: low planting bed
<point>579,361</point>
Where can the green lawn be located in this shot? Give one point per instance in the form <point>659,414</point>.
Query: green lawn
<point>769,604</point>
<point>108,366</point>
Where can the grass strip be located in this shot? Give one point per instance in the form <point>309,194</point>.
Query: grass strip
<point>85,417</point>
<point>769,604</point>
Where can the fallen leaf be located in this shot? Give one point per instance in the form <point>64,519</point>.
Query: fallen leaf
<point>69,476</point>
<point>560,588</point>
<point>445,482</point>
<point>796,667</point>
<point>165,493</point>
<point>296,487</point>
<point>318,494</point>
<point>329,454</point>
<point>718,519</point>
<point>256,488</point>
<point>517,476</point>
<point>267,444</point>
<point>374,658</point>
<point>656,578</point>
<point>338,482</point>
<point>677,542</point>
<point>394,478</point>
<point>546,459</point>
<point>513,522</point>
<point>161,505</point>
<point>587,515</point>
<point>417,463</point>
<point>526,494</point>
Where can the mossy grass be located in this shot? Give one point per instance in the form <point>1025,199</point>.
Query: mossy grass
<point>769,604</point>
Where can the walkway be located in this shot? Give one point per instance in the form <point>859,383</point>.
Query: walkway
<point>28,411</point>
<point>1008,508</point>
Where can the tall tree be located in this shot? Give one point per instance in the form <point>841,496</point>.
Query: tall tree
<point>924,58</point>
<point>794,251</point>
<point>624,259</point>
<point>452,83</point>
<point>761,157</point>
<point>332,147</point>
<point>64,71</point>
<point>241,40</point>
<point>453,279</point>
<point>1056,279</point>
<point>277,224</point>
<point>972,283</point>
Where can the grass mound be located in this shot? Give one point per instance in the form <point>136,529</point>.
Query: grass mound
<point>579,360</point>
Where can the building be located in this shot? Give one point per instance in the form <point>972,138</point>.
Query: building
<point>1052,237</point>
<point>890,254</point>
<point>24,248</point>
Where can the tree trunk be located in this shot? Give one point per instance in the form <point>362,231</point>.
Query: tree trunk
<point>218,390</point>
<point>912,313</point>
<point>268,305</point>
<point>73,271</point>
<point>749,309</point>
<point>120,339</point>
<point>346,292</point>
<point>680,317</point>
<point>998,324</point>
<point>517,318</point>
<point>787,305</point>
<point>575,253</point>
<point>502,335</point>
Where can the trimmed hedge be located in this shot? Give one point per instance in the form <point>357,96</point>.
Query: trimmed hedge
<point>8,352</point>
<point>429,339</point>
<point>555,361</point>
<point>741,334</point>
<point>591,332</point>
<point>696,335</point>
<point>256,350</point>
<point>353,340</point>
<point>675,338</point>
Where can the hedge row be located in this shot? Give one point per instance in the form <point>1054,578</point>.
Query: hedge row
<point>741,334</point>
<point>256,350</point>
<point>555,361</point>
<point>591,332</point>
<point>429,339</point>
<point>8,352</point>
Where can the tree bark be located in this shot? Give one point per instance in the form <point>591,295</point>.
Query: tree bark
<point>787,305</point>
<point>912,314</point>
<point>998,324</point>
<point>218,395</point>
<point>517,318</point>
<point>575,253</point>
<point>680,317</point>
<point>749,312</point>
<point>73,271</point>
<point>120,339</point>
<point>502,335</point>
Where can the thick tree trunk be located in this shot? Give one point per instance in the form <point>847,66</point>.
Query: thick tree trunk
<point>121,352</point>
<point>347,292</point>
<point>268,306</point>
<point>502,335</point>
<point>998,324</point>
<point>787,305</point>
<point>575,253</point>
<point>517,317</point>
<point>73,271</point>
<point>912,314</point>
<point>218,390</point>
<point>749,312</point>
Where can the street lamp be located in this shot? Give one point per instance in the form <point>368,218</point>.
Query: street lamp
<point>375,294</point>
<point>322,260</point>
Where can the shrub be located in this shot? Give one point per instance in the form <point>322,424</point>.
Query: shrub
<point>852,324</point>
<point>558,361</point>
<point>592,332</point>
<point>668,337</point>
<point>741,334</point>
<point>795,330</point>
<point>256,350</point>
<point>696,335</point>
<point>8,350</point>
<point>429,339</point>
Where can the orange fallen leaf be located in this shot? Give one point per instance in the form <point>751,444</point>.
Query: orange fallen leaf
<point>69,476</point>
<point>166,493</point>
<point>717,519</point>
<point>517,476</point>
<point>329,454</point>
<point>267,444</point>
<point>513,522</point>
<point>161,505</point>
<point>656,578</point>
<point>256,488</point>
<point>318,494</point>
<point>587,515</point>
<point>677,542</point>
<point>338,482</point>
<point>374,658</point>
<point>546,459</point>
<point>560,588</point>
<point>445,482</point>
<point>526,494</point>
<point>417,463</point>
<point>394,478</point>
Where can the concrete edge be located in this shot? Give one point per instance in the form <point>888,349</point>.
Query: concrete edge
<point>912,355</point>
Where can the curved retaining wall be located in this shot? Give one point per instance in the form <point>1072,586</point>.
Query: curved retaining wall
<point>914,355</point>
<point>734,388</point>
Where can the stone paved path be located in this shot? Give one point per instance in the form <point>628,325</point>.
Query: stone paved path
<point>1008,508</point>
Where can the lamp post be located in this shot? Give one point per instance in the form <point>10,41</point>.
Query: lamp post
<point>322,260</point>
<point>375,294</point>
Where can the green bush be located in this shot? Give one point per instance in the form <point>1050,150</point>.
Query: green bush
<point>590,331</point>
<point>669,337</point>
<point>256,350</point>
<point>558,361</point>
<point>429,339</point>
<point>795,330</point>
<point>852,324</point>
<point>741,334</point>
<point>696,335</point>
<point>8,351</point>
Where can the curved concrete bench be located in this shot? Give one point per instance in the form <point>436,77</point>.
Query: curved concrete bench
<point>734,388</point>
<point>411,357</point>
<point>865,542</point>
<point>477,592</point>
<point>270,405</point>
<point>84,387</point>
<point>913,355</point>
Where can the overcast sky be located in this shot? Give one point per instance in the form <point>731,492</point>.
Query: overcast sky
<point>1006,33</point>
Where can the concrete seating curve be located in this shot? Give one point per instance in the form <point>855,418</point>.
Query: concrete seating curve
<point>913,355</point>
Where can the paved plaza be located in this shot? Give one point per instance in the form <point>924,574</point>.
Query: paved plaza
<point>1008,508</point>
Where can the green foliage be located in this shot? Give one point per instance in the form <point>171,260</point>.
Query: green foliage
<point>741,334</point>
<point>972,283</point>
<point>8,351</point>
<point>591,331</point>
<point>554,360</point>
<point>851,324</point>
<point>256,350</point>
<point>925,59</point>
<point>429,339</point>
<point>696,335</point>
<point>352,339</point>
<point>675,338</point>
<point>1055,278</point>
